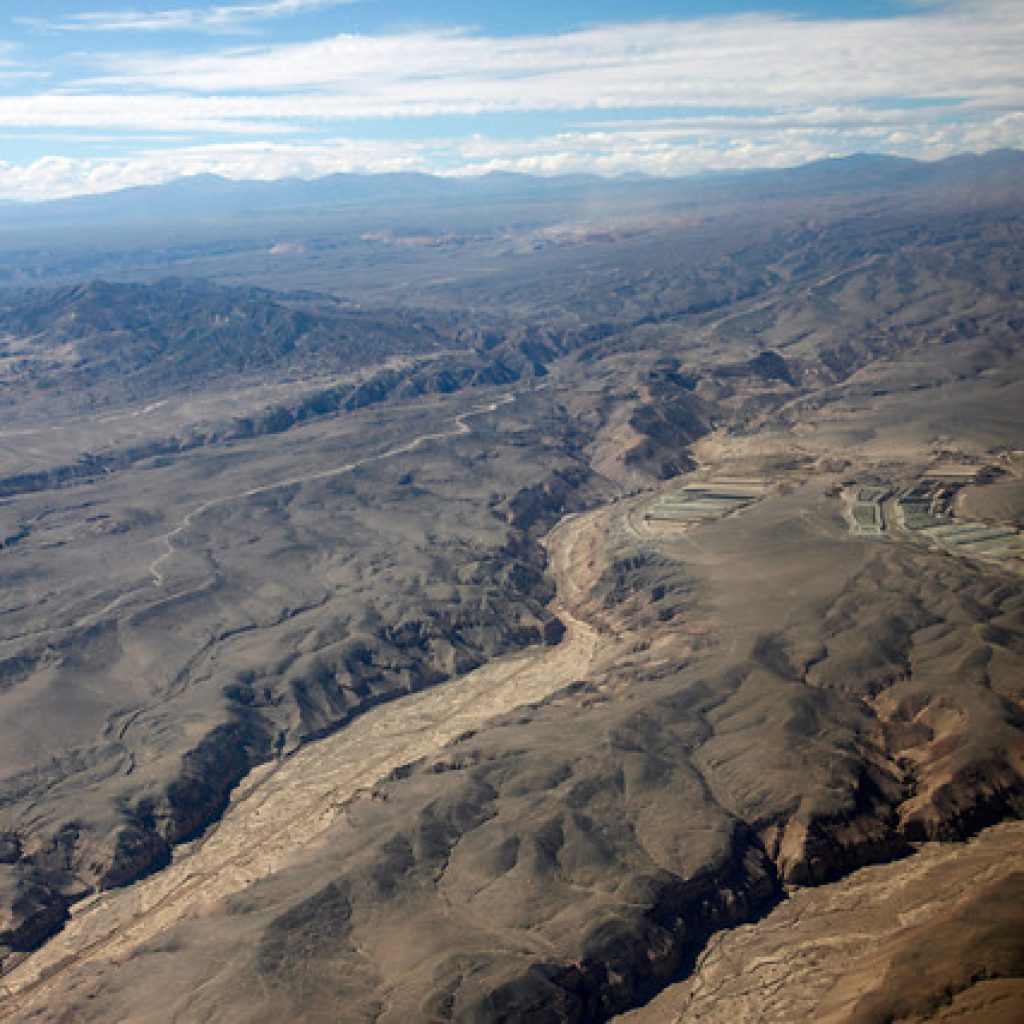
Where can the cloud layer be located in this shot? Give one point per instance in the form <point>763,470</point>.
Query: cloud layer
<point>217,18</point>
<point>738,91</point>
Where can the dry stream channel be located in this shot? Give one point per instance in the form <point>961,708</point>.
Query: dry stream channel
<point>282,807</point>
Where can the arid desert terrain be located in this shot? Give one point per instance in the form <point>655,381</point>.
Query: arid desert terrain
<point>608,607</point>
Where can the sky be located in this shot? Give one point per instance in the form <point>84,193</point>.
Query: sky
<point>97,95</point>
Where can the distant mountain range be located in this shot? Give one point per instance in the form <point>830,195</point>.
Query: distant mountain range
<point>206,195</point>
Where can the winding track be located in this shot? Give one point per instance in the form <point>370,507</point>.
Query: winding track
<point>157,577</point>
<point>461,427</point>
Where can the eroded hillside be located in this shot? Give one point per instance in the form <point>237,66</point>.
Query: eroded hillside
<point>663,677</point>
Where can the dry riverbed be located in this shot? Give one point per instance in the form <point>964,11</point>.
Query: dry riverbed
<point>283,807</point>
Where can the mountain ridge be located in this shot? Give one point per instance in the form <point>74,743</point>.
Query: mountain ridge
<point>206,194</point>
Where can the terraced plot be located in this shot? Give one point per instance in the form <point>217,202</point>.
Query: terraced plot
<point>865,513</point>
<point>924,509</point>
<point>708,500</point>
<point>999,545</point>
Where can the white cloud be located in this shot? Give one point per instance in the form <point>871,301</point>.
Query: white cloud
<point>13,68</point>
<point>742,60</point>
<point>176,113</point>
<point>55,177</point>
<point>154,113</point>
<point>729,62</point>
<point>655,149</point>
<point>845,117</point>
<point>218,18</point>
